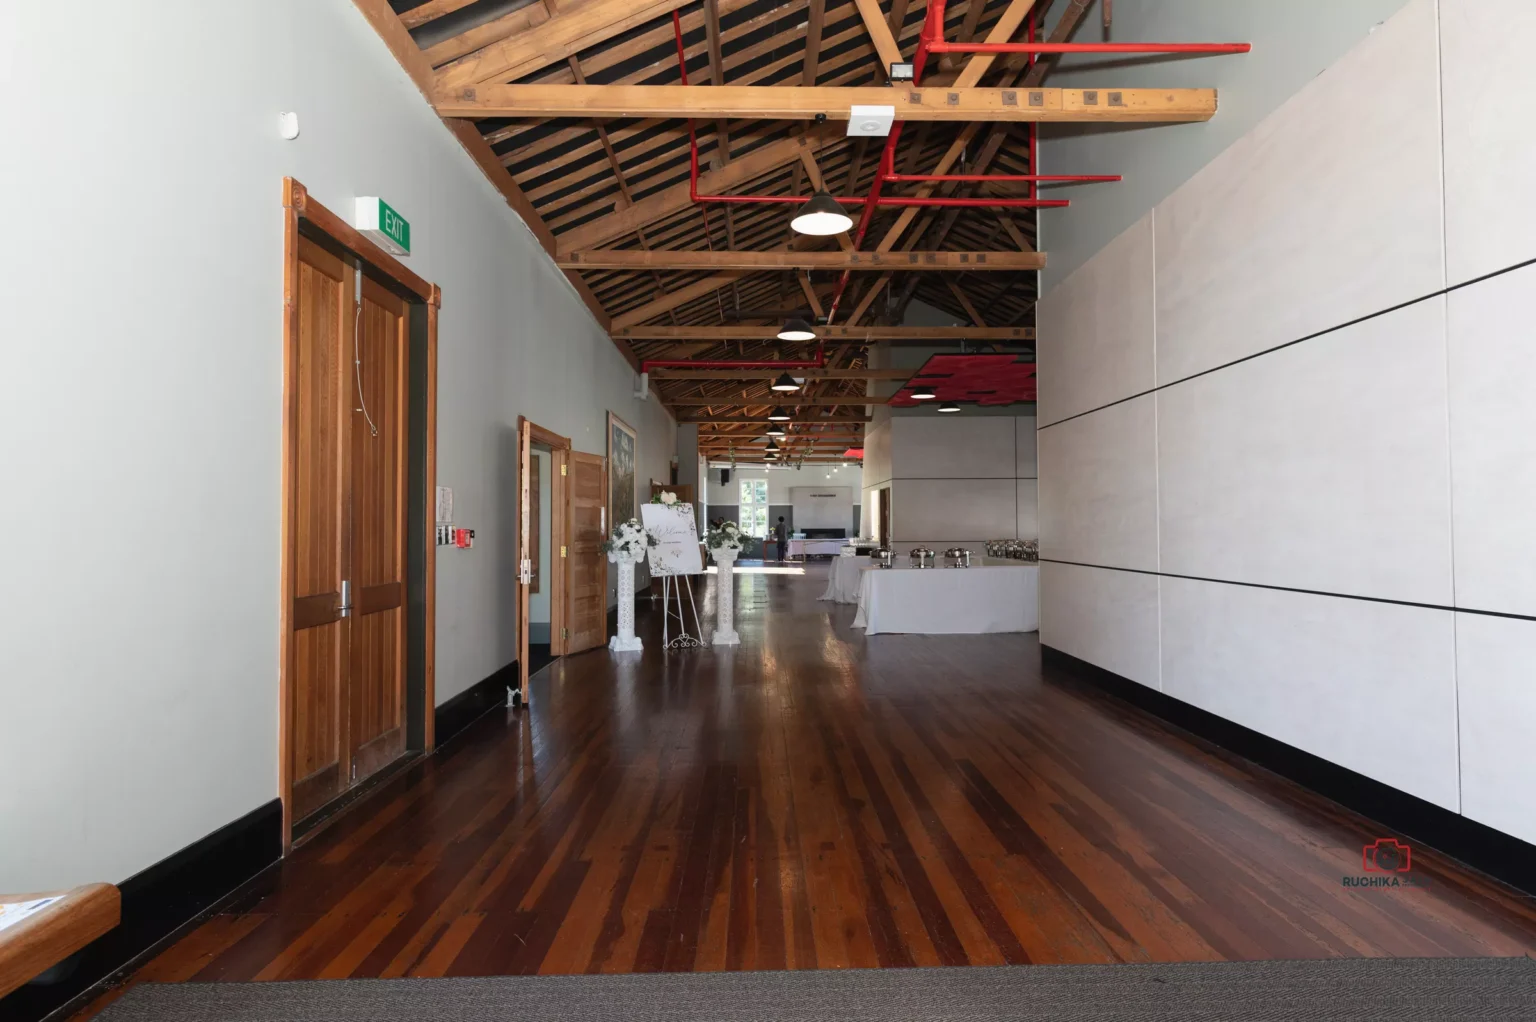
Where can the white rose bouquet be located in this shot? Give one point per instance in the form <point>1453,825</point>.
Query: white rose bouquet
<point>665,497</point>
<point>725,536</point>
<point>629,542</point>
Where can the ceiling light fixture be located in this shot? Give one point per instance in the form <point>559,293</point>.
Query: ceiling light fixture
<point>949,406</point>
<point>778,415</point>
<point>773,447</point>
<point>774,429</point>
<point>820,217</point>
<point>797,330</point>
<point>785,383</point>
<point>924,394</point>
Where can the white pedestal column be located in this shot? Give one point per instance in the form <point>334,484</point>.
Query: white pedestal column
<point>626,640</point>
<point>725,597</point>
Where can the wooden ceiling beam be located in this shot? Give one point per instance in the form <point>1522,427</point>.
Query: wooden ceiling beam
<point>880,34</point>
<point>773,399</point>
<point>672,259</point>
<point>583,25</point>
<point>742,170</point>
<point>431,10</point>
<point>829,333</point>
<point>791,103</point>
<point>804,420</point>
<point>770,374</point>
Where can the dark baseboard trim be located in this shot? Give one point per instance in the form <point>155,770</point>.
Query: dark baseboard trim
<point>158,904</point>
<point>1491,851</point>
<point>473,703</point>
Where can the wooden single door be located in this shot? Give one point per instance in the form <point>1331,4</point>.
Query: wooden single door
<point>379,433</point>
<point>319,375</point>
<point>586,621</point>
<point>347,383</point>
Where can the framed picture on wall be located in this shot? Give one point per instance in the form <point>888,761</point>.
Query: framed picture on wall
<point>621,480</point>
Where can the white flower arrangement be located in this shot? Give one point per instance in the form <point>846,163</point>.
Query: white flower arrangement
<point>725,536</point>
<point>665,497</point>
<point>629,542</point>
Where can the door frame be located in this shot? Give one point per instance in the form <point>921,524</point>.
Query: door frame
<point>299,208</point>
<point>528,434</point>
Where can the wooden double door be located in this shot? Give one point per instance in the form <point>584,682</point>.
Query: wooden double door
<point>348,383</point>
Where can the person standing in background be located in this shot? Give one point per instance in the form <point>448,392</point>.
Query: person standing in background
<point>781,536</point>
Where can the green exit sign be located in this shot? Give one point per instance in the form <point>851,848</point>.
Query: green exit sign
<point>378,219</point>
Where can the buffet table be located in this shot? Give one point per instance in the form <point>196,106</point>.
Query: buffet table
<point>843,579</point>
<point>949,601</point>
<point>802,547</point>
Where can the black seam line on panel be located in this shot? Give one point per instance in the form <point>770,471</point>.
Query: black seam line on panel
<point>1312,336</point>
<point>1451,608</point>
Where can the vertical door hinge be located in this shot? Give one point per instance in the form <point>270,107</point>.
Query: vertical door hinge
<point>525,572</point>
<point>562,550</point>
<point>346,598</point>
<point>354,768</point>
<point>565,633</point>
<point>563,468</point>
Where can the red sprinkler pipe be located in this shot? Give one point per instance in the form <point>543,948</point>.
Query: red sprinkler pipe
<point>940,46</point>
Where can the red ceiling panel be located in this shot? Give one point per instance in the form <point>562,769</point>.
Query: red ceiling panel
<point>979,379</point>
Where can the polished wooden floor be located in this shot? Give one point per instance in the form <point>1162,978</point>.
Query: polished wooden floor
<point>814,799</point>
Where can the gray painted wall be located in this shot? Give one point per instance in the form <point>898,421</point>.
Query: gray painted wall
<point>156,443</point>
<point>1292,42</point>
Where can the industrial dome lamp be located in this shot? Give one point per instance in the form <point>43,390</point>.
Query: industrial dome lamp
<point>821,216</point>
<point>796,330</point>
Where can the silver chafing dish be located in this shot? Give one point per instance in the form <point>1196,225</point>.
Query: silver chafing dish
<point>921,557</point>
<point>882,558</point>
<point>957,557</point>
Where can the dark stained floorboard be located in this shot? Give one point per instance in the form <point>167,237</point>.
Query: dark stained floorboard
<point>813,799</point>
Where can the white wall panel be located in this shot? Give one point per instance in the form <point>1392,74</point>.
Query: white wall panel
<point>1369,686</point>
<point>952,447</point>
<point>1108,618</point>
<point>1098,487</point>
<point>1493,442</point>
<point>937,510</point>
<point>1027,465</point>
<point>1494,675</point>
<point>1029,510</point>
<point>1490,162</point>
<point>1320,466</point>
<point>1096,329</point>
<point>1329,210</point>
<point>877,456</point>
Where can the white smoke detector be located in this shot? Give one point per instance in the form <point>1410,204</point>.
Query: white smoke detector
<point>874,121</point>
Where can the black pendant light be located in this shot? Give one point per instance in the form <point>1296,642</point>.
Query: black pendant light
<point>796,330</point>
<point>774,429</point>
<point>924,394</point>
<point>778,415</point>
<point>773,446</point>
<point>949,406</point>
<point>785,383</point>
<point>821,216</point>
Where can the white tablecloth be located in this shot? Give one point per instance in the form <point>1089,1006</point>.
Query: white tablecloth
<point>950,601</point>
<point>801,547</point>
<point>843,579</point>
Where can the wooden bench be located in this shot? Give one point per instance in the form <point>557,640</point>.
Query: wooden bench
<point>45,938</point>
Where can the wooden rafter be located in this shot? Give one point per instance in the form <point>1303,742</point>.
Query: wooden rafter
<point>671,259</point>
<point>959,103</point>
<point>831,333</point>
<point>584,25</point>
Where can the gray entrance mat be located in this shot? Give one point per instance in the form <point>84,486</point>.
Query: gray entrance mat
<point>1385,989</point>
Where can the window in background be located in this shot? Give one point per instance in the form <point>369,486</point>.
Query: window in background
<point>752,511</point>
